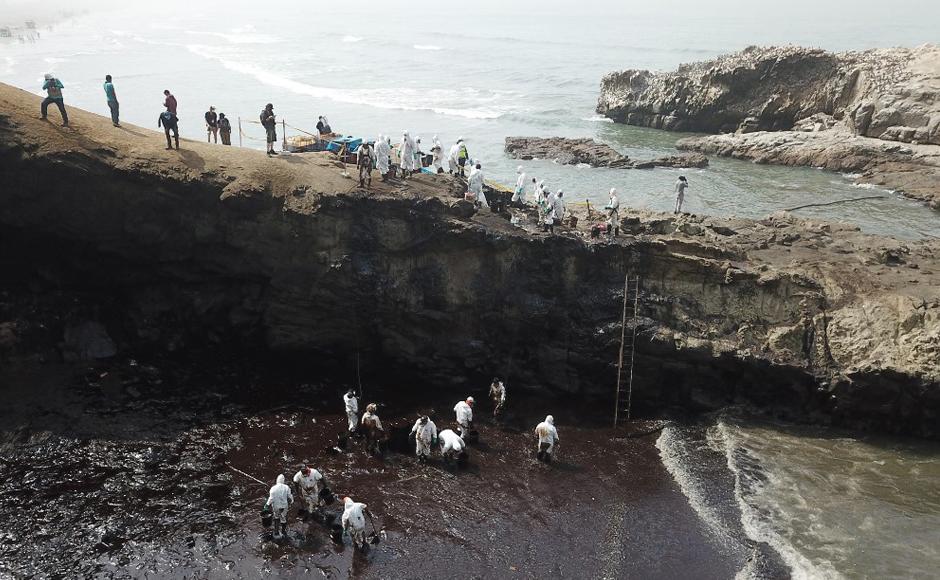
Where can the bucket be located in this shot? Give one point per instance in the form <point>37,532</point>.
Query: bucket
<point>267,517</point>
<point>326,495</point>
<point>336,533</point>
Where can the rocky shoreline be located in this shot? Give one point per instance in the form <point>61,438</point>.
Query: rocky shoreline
<point>215,246</point>
<point>875,112</point>
<point>568,151</point>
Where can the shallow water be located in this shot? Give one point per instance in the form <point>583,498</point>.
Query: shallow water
<point>483,73</point>
<point>832,505</point>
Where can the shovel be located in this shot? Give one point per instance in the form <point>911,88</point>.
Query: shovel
<point>375,537</point>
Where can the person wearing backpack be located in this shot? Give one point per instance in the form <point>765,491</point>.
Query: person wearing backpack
<point>269,123</point>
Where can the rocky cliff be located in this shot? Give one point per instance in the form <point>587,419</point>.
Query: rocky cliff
<point>215,246</point>
<point>891,94</point>
<point>567,151</point>
<point>849,103</point>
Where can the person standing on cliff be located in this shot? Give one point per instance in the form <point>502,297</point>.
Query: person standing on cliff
<point>269,122</point>
<point>475,187</point>
<point>225,129</point>
<point>613,213</point>
<point>170,123</point>
<point>212,125</point>
<point>463,156</point>
<point>53,88</point>
<point>518,196</point>
<point>365,160</point>
<point>681,185</point>
<point>169,102</point>
<point>112,101</point>
<point>382,153</point>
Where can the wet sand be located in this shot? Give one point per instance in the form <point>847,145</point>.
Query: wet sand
<point>126,476</point>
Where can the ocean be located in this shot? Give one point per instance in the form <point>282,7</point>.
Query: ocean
<point>482,72</point>
<point>832,505</point>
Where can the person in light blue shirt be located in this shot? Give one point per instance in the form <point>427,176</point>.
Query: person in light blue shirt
<point>112,100</point>
<point>53,88</point>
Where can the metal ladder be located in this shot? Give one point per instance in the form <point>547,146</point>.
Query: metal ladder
<point>623,400</point>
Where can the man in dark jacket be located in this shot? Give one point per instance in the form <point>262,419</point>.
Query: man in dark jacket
<point>212,125</point>
<point>169,102</point>
<point>270,125</point>
<point>225,129</point>
<point>169,122</point>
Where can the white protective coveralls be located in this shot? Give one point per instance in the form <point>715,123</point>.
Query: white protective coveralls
<point>407,153</point>
<point>352,411</point>
<point>613,211</point>
<point>424,436</point>
<point>354,521</point>
<point>680,194</point>
<point>437,151</point>
<point>452,445</point>
<point>452,165</point>
<point>475,187</point>
<point>518,195</point>
<point>279,500</point>
<point>548,436</point>
<point>548,215</point>
<point>309,486</point>
<point>464,413</point>
<point>498,396</point>
<point>558,206</point>
<point>382,152</point>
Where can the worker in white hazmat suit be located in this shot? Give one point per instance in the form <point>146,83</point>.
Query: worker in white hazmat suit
<point>382,153</point>
<point>497,396</point>
<point>452,445</point>
<point>464,413</point>
<point>547,212</point>
<point>308,482</point>
<point>558,208</point>
<point>475,187</point>
<point>452,165</point>
<point>352,409</point>
<point>279,500</point>
<point>407,154</point>
<point>437,156</point>
<point>681,185</point>
<point>425,432</point>
<point>354,521</point>
<point>518,194</point>
<point>613,213</point>
<point>548,439</point>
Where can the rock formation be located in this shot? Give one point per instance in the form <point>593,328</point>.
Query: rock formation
<point>567,151</point>
<point>883,95</point>
<point>219,246</point>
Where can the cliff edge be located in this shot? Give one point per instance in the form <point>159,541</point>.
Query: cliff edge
<point>106,237</point>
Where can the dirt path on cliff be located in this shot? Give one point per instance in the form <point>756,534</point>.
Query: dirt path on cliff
<point>244,171</point>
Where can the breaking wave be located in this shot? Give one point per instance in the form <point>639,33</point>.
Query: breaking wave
<point>427,47</point>
<point>438,101</point>
<point>238,37</point>
<point>598,119</point>
<point>350,38</point>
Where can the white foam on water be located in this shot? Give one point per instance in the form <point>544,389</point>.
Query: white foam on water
<point>398,98</point>
<point>9,63</point>
<point>598,119</point>
<point>246,37</point>
<point>427,47</point>
<point>350,38</point>
<point>675,457</point>
<point>748,491</point>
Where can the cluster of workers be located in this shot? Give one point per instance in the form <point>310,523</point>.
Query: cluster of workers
<point>311,486</point>
<point>378,155</point>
